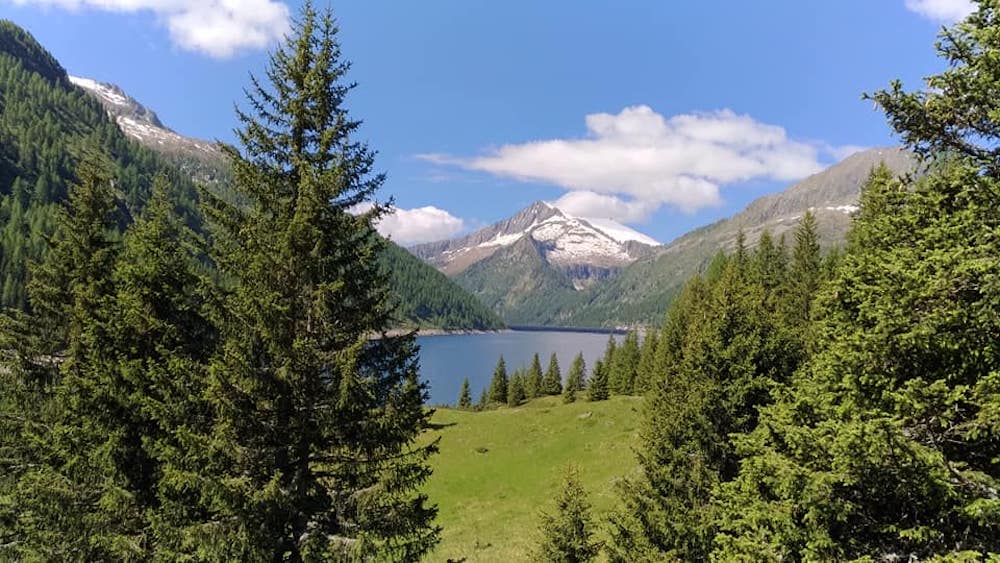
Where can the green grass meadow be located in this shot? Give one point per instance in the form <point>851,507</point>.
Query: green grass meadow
<point>497,470</point>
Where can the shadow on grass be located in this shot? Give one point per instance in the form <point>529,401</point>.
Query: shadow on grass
<point>440,425</point>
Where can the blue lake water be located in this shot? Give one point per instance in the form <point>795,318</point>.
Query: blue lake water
<point>446,360</point>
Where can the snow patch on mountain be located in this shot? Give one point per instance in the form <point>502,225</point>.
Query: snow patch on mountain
<point>142,124</point>
<point>620,232</point>
<point>848,209</point>
<point>579,246</point>
<point>105,92</point>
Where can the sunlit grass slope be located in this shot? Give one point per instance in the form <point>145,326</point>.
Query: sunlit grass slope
<point>498,469</point>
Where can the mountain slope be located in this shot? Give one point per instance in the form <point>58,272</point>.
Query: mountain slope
<point>202,160</point>
<point>427,299</point>
<point>518,283</point>
<point>539,258</point>
<point>641,293</point>
<point>46,124</point>
<point>567,243</point>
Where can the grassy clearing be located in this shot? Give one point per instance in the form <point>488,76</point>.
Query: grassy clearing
<point>498,469</point>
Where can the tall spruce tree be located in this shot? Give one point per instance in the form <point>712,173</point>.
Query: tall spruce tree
<point>805,271</point>
<point>730,356</point>
<point>533,379</point>
<point>552,382</point>
<point>886,444</point>
<point>163,339</point>
<point>597,388</point>
<point>609,351</point>
<point>575,379</point>
<point>318,409</point>
<point>498,385</point>
<point>646,372</point>
<point>625,365</point>
<point>64,474</point>
<point>566,536</point>
<point>465,396</point>
<point>515,391</point>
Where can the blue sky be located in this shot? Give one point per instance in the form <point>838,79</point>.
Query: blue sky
<point>662,115</point>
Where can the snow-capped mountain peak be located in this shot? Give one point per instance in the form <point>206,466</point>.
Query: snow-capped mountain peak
<point>578,246</point>
<point>619,232</point>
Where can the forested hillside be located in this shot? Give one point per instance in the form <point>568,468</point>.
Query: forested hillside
<point>46,124</point>
<point>427,298</point>
<point>153,411</point>
<point>846,412</point>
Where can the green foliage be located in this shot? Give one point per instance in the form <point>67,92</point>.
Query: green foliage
<point>957,113</point>
<point>312,452</point>
<point>515,391</point>
<point>721,352</point>
<point>552,382</point>
<point>597,387</point>
<point>886,442</point>
<point>427,298</point>
<point>624,365</point>
<point>576,379</point>
<point>65,494</point>
<point>465,396</point>
<point>533,379</point>
<point>646,369</point>
<point>885,445</point>
<point>804,271</point>
<point>47,126</point>
<point>498,385</point>
<point>567,534</point>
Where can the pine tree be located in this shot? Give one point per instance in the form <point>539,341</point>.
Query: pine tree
<point>163,340</point>
<point>625,365</point>
<point>646,372</point>
<point>731,356</point>
<point>533,380</point>
<point>886,443</point>
<point>770,263</point>
<point>576,379</point>
<point>515,391</point>
<point>314,452</point>
<point>465,396</point>
<point>552,382</point>
<point>484,400</point>
<point>566,536</point>
<point>498,385</point>
<point>805,270</point>
<point>597,388</point>
<point>66,478</point>
<point>609,351</point>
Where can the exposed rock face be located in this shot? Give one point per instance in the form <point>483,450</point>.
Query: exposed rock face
<point>202,159</point>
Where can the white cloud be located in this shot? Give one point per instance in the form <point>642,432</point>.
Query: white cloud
<point>941,10</point>
<point>414,226</point>
<point>633,162</point>
<point>602,206</point>
<point>219,28</point>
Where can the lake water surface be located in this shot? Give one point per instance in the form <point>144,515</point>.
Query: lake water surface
<point>446,360</point>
